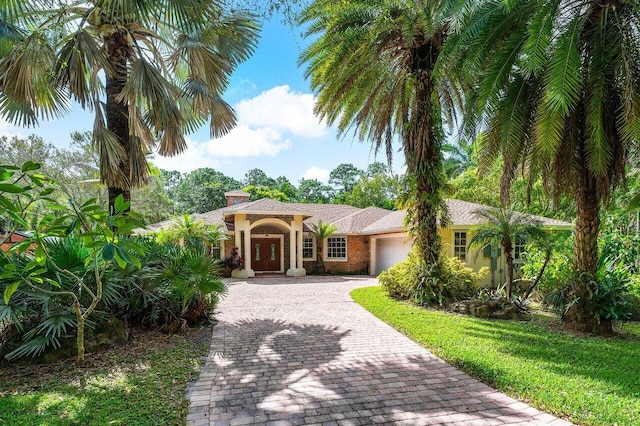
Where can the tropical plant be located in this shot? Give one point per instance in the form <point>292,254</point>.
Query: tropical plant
<point>504,227</point>
<point>458,157</point>
<point>322,231</point>
<point>558,94</point>
<point>189,231</point>
<point>149,70</point>
<point>195,282</point>
<point>44,273</point>
<point>372,65</point>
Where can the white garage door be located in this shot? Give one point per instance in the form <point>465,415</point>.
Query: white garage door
<point>390,251</point>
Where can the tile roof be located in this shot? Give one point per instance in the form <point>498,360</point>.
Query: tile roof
<point>359,220</point>
<point>348,219</point>
<point>462,213</point>
<point>265,206</point>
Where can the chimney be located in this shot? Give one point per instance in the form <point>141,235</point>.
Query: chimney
<point>236,197</point>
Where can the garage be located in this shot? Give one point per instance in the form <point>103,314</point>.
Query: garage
<point>390,251</point>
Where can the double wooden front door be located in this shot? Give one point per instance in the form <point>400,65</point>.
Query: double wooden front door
<point>265,254</point>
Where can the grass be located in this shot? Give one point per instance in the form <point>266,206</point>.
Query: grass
<point>141,383</point>
<point>588,380</point>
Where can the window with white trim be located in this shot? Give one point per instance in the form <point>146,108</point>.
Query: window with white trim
<point>460,245</point>
<point>337,248</point>
<point>308,248</point>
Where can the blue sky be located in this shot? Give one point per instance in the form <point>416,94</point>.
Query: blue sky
<point>277,131</point>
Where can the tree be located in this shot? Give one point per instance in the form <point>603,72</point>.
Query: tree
<point>372,65</point>
<point>344,178</point>
<point>203,190</point>
<point>257,177</point>
<point>379,191</point>
<point>458,157</point>
<point>258,192</point>
<point>88,222</point>
<point>165,66</point>
<point>376,168</point>
<point>322,231</point>
<point>558,92</point>
<point>504,227</point>
<point>313,191</point>
<point>287,188</point>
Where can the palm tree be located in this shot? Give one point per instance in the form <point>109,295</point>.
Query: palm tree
<point>558,94</point>
<point>504,227</point>
<point>459,157</point>
<point>151,71</point>
<point>372,65</point>
<point>322,231</point>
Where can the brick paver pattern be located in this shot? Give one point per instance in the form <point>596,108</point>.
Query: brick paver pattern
<point>294,351</point>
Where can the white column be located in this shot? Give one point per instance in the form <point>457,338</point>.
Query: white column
<point>248,255</point>
<point>299,263</point>
<point>241,224</point>
<point>292,247</point>
<point>295,248</point>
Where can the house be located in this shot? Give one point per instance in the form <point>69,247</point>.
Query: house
<point>275,237</point>
<point>9,239</point>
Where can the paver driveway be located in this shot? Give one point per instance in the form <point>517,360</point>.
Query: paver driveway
<point>291,351</point>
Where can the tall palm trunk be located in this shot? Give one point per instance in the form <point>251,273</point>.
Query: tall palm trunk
<point>117,114</point>
<point>580,316</point>
<point>423,152</point>
<point>507,246</point>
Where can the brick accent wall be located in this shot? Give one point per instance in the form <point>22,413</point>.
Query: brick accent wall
<point>233,200</point>
<point>358,248</point>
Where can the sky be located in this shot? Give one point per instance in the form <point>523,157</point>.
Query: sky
<point>276,132</point>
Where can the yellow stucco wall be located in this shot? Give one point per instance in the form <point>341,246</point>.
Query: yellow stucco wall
<point>474,259</point>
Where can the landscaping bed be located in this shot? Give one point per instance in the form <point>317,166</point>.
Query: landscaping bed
<point>587,380</point>
<point>141,382</point>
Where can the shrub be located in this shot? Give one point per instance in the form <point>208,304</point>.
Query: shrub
<point>558,271</point>
<point>614,294</point>
<point>175,287</point>
<point>413,280</point>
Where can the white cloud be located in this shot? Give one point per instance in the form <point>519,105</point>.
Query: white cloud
<point>263,125</point>
<point>316,173</point>
<point>244,141</point>
<point>282,109</point>
<point>194,157</point>
<point>9,130</point>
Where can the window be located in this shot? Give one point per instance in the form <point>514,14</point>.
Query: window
<point>337,248</point>
<point>460,245</point>
<point>518,248</point>
<point>308,248</point>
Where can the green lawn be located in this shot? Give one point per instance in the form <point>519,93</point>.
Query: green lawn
<point>589,380</point>
<point>142,383</point>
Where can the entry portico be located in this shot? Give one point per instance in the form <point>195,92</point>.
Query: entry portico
<point>265,233</point>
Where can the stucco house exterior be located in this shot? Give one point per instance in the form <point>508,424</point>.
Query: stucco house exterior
<point>275,237</point>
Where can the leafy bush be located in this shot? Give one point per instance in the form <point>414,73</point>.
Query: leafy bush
<point>175,287</point>
<point>614,296</point>
<point>632,298</point>
<point>558,271</point>
<point>412,280</point>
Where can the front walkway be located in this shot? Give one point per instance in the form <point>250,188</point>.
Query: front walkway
<point>292,351</point>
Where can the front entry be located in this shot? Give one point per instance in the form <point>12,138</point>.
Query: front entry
<point>266,254</point>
